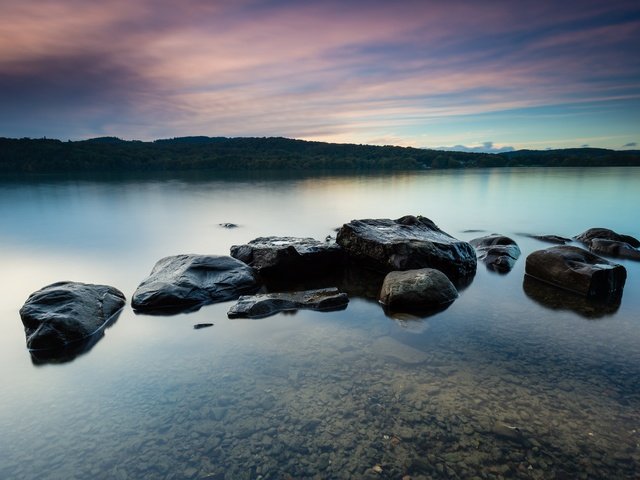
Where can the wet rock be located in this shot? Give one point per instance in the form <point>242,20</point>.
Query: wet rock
<point>548,238</point>
<point>228,225</point>
<point>499,253</point>
<point>417,290</point>
<point>407,243</point>
<point>508,432</point>
<point>607,242</point>
<point>264,305</point>
<point>290,256</point>
<point>64,313</point>
<point>199,326</point>
<point>187,282</point>
<point>577,270</point>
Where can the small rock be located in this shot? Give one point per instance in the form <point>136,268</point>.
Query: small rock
<point>499,253</point>
<point>198,326</point>
<point>266,304</point>
<point>411,290</point>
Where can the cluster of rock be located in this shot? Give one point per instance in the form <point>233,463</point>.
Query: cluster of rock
<point>423,265</point>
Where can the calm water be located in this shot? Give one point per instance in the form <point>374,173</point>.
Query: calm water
<point>350,394</point>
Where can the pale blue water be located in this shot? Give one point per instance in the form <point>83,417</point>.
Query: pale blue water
<point>318,395</point>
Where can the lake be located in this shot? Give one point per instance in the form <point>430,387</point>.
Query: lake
<point>347,394</point>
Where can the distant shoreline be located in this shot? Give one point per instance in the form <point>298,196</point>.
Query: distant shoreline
<point>191,154</point>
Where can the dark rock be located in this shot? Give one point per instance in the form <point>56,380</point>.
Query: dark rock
<point>557,239</point>
<point>264,305</point>
<point>65,313</point>
<point>407,243</point>
<point>577,270</point>
<point>228,225</point>
<point>607,242</point>
<point>499,253</point>
<point>187,282</point>
<point>508,432</point>
<point>421,290</point>
<point>290,256</point>
<point>554,298</point>
<point>604,233</point>
<point>198,326</point>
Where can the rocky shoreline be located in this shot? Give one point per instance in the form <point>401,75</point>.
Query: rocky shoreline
<point>409,265</point>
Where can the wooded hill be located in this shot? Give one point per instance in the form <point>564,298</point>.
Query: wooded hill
<point>110,154</point>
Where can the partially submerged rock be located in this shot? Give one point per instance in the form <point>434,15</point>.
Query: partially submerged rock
<point>417,290</point>
<point>557,239</point>
<point>186,282</point>
<point>607,242</point>
<point>499,253</point>
<point>290,256</point>
<point>65,313</point>
<point>264,305</point>
<point>577,270</point>
<point>407,243</point>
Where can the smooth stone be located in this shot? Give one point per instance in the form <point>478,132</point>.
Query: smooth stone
<point>186,282</point>
<point>603,241</point>
<point>557,239</point>
<point>198,326</point>
<point>290,256</point>
<point>64,313</point>
<point>405,244</point>
<point>228,225</point>
<point>422,289</point>
<point>577,270</point>
<point>508,432</point>
<point>499,253</point>
<point>264,305</point>
<point>606,234</point>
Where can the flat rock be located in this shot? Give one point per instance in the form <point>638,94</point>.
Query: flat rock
<point>422,289</point>
<point>290,256</point>
<point>264,305</point>
<point>186,282</point>
<point>577,270</point>
<point>603,241</point>
<point>405,244</point>
<point>390,347</point>
<point>64,313</point>
<point>499,253</point>
<point>557,239</point>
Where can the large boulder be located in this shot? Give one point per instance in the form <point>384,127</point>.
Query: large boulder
<point>417,290</point>
<point>290,256</point>
<point>607,242</point>
<point>499,253</point>
<point>264,305</point>
<point>577,270</point>
<point>407,243</point>
<point>65,313</point>
<point>186,282</point>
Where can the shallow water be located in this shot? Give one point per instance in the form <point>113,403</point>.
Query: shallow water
<point>320,395</point>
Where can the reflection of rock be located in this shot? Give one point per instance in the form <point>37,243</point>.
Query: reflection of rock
<point>417,290</point>
<point>577,270</point>
<point>548,238</point>
<point>187,282</point>
<point>266,304</point>
<point>66,314</point>
<point>407,243</point>
<point>556,299</point>
<point>607,242</point>
<point>499,253</point>
<point>290,256</point>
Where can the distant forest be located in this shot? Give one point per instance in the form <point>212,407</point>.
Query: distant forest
<point>110,154</point>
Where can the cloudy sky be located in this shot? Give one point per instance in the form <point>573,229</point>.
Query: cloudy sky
<point>478,75</point>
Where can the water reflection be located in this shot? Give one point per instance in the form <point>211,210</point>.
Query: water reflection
<point>555,298</point>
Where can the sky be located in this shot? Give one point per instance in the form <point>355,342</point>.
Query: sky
<point>468,75</point>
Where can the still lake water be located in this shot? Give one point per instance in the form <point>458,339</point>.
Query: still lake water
<point>349,394</point>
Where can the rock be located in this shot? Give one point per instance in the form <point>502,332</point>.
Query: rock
<point>64,313</point>
<point>415,290</point>
<point>577,270</point>
<point>264,305</point>
<point>548,238</point>
<point>407,243</point>
<point>554,298</point>
<point>290,256</point>
<point>228,225</point>
<point>607,242</point>
<point>508,432</point>
<point>198,326</point>
<point>499,253</point>
<point>186,282</point>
